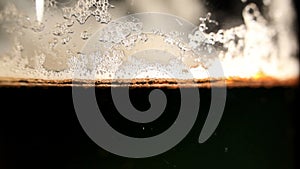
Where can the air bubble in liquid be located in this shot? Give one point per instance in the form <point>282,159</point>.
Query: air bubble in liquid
<point>84,35</point>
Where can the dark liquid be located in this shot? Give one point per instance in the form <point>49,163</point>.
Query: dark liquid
<point>39,129</point>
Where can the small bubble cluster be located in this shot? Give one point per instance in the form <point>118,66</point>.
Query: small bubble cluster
<point>200,38</point>
<point>64,31</point>
<point>125,33</point>
<point>87,8</point>
<point>96,64</point>
<point>204,22</point>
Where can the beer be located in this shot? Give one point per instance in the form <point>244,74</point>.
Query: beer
<point>234,117</point>
<point>39,129</point>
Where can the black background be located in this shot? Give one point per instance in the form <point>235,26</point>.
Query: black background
<point>39,129</point>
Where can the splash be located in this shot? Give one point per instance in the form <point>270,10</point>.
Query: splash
<point>252,49</point>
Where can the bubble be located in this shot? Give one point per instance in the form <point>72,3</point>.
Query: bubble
<point>18,46</point>
<point>126,33</point>
<point>84,35</point>
<point>205,21</point>
<point>66,39</point>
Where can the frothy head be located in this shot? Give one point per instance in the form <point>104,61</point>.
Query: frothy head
<point>153,45</point>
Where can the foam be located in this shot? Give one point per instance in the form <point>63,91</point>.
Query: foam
<point>119,50</point>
